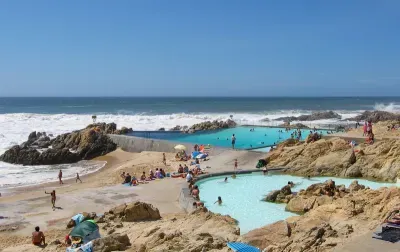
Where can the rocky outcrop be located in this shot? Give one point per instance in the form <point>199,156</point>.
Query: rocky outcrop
<point>199,231</point>
<point>135,211</point>
<point>213,125</point>
<point>329,223</point>
<point>280,196</point>
<point>313,117</point>
<point>294,126</point>
<point>335,157</point>
<point>71,147</point>
<point>376,116</point>
<point>113,242</point>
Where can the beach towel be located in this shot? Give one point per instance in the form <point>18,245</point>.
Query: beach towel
<point>78,218</point>
<point>88,247</point>
<point>127,184</point>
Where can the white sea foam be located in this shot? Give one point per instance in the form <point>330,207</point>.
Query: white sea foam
<point>16,128</point>
<point>391,107</point>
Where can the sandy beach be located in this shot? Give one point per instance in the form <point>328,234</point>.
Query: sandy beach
<point>27,207</point>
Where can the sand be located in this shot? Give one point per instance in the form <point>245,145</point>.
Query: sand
<point>28,207</point>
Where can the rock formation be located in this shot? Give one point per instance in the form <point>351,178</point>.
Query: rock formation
<point>335,157</point>
<point>314,116</point>
<point>135,211</point>
<point>329,223</point>
<point>376,116</point>
<point>200,230</point>
<point>71,147</point>
<point>214,125</point>
<point>280,196</point>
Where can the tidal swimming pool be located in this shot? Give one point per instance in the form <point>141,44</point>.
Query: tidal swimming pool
<point>242,197</point>
<point>245,139</point>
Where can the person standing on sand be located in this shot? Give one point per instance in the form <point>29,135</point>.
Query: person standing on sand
<point>60,177</point>
<point>77,178</point>
<point>53,198</point>
<point>164,159</point>
<point>233,141</point>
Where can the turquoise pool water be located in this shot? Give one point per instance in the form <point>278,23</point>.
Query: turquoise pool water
<point>242,196</point>
<point>261,136</point>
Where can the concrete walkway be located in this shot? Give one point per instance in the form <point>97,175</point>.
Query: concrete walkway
<point>365,243</point>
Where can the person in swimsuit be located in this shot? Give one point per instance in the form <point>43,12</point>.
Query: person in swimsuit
<point>265,171</point>
<point>53,197</point>
<point>38,238</point>
<point>233,141</point>
<point>226,179</point>
<point>77,178</point>
<point>164,159</point>
<point>60,177</point>
<point>219,201</point>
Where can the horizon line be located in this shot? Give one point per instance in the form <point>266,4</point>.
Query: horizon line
<point>361,96</point>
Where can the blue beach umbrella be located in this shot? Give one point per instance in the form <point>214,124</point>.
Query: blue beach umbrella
<point>242,247</point>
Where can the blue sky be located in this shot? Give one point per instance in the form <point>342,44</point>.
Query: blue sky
<point>204,48</point>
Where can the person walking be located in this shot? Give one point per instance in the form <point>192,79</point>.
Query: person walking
<point>78,178</point>
<point>60,177</point>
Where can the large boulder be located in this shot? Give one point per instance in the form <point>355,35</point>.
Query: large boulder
<point>280,196</point>
<point>140,211</point>
<point>268,235</point>
<point>135,211</point>
<point>354,186</point>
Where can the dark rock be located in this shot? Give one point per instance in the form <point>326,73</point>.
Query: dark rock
<point>32,136</point>
<point>314,116</point>
<point>86,144</point>
<point>176,128</point>
<point>123,131</point>
<point>271,197</point>
<point>279,195</point>
<point>376,116</point>
<point>214,125</point>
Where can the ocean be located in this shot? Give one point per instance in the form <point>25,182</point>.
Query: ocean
<point>20,116</point>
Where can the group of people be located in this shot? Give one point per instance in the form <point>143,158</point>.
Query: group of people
<point>296,134</point>
<point>144,179</point>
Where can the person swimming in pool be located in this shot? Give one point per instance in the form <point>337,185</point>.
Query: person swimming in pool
<point>226,179</point>
<point>219,201</point>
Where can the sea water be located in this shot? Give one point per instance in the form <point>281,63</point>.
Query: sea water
<point>242,197</point>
